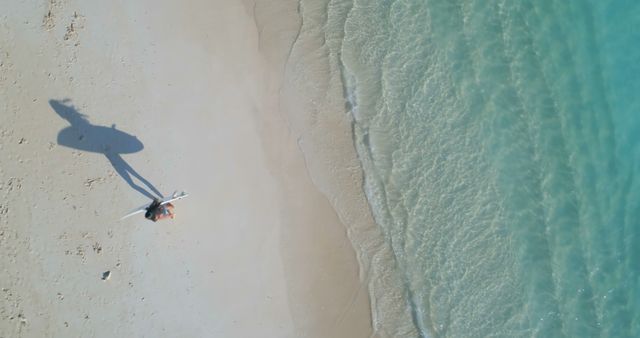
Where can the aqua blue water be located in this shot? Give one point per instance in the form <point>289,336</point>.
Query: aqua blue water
<point>500,142</point>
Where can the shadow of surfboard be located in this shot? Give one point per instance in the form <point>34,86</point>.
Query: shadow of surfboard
<point>109,141</point>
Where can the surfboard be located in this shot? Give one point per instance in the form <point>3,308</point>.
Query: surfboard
<point>163,201</point>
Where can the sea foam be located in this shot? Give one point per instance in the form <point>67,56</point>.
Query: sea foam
<point>500,143</point>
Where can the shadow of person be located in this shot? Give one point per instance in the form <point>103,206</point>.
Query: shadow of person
<point>111,142</point>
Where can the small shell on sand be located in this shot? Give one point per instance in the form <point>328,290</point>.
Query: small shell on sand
<point>106,275</point>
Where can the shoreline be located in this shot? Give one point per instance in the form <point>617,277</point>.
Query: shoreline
<point>292,110</point>
<point>255,249</point>
<point>327,137</point>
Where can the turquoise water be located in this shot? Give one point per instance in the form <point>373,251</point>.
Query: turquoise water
<point>501,147</point>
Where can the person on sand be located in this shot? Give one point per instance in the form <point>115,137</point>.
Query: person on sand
<point>156,211</point>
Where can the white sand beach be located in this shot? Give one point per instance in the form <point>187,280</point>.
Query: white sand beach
<point>256,250</point>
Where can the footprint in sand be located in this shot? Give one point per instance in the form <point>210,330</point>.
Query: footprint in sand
<point>77,22</point>
<point>48,22</point>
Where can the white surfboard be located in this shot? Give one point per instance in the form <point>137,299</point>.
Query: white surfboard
<point>163,201</point>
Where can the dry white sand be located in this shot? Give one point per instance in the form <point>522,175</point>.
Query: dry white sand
<point>255,250</point>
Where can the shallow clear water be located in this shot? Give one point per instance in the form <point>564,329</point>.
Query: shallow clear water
<point>501,147</point>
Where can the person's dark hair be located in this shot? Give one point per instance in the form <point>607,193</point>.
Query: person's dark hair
<point>151,210</point>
